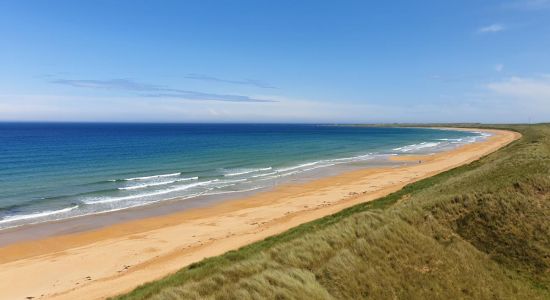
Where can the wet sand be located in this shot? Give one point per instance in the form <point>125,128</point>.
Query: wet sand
<point>103,262</point>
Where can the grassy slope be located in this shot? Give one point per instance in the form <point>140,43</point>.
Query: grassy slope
<point>478,231</point>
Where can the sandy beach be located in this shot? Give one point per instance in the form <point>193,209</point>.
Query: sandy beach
<point>107,261</point>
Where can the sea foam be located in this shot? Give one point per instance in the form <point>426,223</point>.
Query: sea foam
<point>146,185</point>
<point>153,176</point>
<point>143,195</point>
<point>46,213</point>
<point>240,172</point>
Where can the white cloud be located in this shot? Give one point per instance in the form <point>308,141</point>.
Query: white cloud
<point>525,88</point>
<point>153,90</point>
<point>499,67</point>
<point>521,99</point>
<point>491,28</point>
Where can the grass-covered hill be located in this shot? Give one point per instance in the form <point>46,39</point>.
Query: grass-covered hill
<point>480,231</point>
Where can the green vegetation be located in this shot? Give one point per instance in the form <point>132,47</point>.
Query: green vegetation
<point>478,231</point>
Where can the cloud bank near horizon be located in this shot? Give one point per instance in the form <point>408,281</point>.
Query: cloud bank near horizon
<point>511,99</point>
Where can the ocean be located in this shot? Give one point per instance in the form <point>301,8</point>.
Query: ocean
<point>53,171</point>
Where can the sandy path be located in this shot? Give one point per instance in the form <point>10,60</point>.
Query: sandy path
<point>115,259</point>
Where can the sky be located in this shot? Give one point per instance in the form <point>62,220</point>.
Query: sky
<point>275,61</point>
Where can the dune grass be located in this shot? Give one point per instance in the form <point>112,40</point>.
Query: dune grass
<point>478,231</point>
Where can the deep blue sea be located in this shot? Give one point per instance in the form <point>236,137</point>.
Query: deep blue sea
<point>59,170</point>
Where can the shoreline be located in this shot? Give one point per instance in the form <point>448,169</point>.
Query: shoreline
<point>146,249</point>
<point>94,221</point>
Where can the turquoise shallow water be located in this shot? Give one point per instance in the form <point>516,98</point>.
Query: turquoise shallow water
<point>54,171</point>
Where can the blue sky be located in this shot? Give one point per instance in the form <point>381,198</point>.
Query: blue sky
<point>275,61</point>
